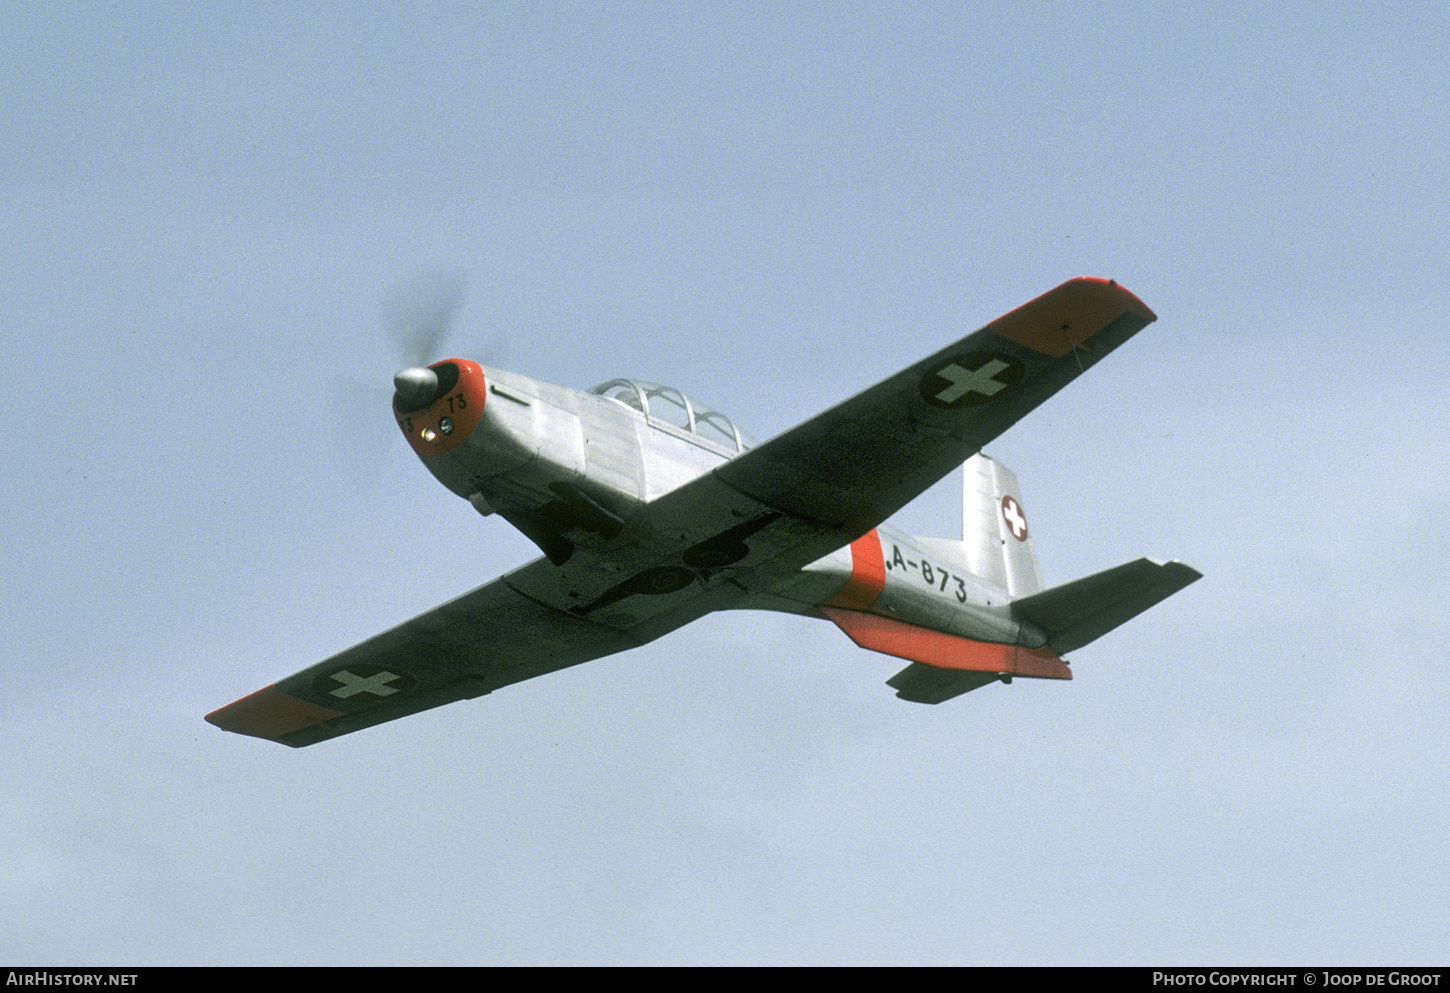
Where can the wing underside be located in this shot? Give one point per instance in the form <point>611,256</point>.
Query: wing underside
<point>470,646</point>
<point>858,463</point>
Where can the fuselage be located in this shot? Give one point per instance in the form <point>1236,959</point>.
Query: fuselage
<point>568,468</point>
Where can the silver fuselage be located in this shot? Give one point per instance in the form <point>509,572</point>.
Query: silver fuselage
<point>536,440</point>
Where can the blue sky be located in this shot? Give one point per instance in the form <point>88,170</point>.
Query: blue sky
<point>770,206</point>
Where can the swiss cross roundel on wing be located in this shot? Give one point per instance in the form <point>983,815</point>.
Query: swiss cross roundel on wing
<point>1016,520</point>
<point>362,683</point>
<point>970,379</point>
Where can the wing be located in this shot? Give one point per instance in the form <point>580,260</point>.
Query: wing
<point>485,639</point>
<point>717,541</point>
<point>861,461</point>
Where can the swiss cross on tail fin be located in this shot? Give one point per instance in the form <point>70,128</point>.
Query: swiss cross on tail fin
<point>995,533</point>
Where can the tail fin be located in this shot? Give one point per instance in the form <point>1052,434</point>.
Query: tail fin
<point>995,537</point>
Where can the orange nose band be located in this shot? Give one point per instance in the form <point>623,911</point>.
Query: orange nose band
<point>451,415</point>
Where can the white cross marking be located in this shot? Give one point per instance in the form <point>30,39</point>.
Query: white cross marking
<point>974,381</point>
<point>353,685</point>
<point>1012,514</point>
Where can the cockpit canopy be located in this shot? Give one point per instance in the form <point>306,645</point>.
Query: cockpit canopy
<point>668,405</point>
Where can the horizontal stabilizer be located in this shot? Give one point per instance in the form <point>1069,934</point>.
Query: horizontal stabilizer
<point>1077,613</point>
<point>928,684</point>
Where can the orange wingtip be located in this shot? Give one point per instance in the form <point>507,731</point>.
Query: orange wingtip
<point>945,651</point>
<point>269,713</point>
<point>1067,317</point>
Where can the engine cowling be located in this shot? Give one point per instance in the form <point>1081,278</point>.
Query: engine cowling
<point>437,407</point>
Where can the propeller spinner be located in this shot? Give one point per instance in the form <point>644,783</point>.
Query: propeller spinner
<point>416,386</point>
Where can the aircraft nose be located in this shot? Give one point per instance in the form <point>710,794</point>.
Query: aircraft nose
<point>416,386</point>
<point>438,407</point>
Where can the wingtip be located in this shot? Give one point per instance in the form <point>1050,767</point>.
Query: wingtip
<point>1069,317</point>
<point>1112,288</point>
<point>269,713</point>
